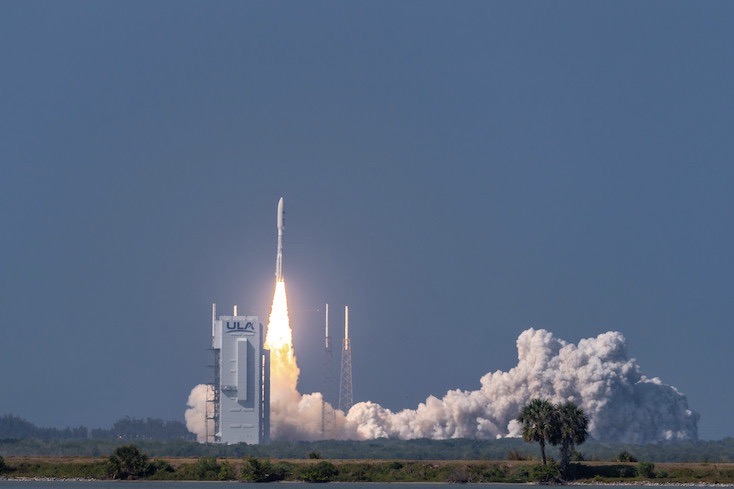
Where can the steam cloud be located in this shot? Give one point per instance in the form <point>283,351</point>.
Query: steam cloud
<point>622,404</point>
<point>596,374</point>
<point>196,414</point>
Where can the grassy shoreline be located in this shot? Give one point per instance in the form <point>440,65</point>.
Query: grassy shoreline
<point>272,470</point>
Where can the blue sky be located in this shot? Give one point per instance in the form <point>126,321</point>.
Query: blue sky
<point>456,172</point>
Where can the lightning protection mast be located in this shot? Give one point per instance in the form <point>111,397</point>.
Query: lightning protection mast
<point>345,384</point>
<point>328,416</point>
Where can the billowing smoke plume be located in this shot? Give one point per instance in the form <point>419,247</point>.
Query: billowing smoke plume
<point>597,374</point>
<point>196,415</point>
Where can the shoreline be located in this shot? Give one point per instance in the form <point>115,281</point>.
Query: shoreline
<point>209,469</point>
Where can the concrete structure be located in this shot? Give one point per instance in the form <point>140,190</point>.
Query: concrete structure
<point>241,403</point>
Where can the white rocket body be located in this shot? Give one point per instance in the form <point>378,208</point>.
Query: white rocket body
<point>279,256</point>
<point>346,327</point>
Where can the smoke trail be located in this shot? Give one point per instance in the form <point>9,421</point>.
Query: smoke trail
<point>196,415</point>
<point>597,374</point>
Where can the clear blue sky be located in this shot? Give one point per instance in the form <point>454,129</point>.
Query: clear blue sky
<point>456,172</point>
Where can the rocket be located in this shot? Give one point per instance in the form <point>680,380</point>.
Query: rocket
<point>279,256</point>
<point>346,327</point>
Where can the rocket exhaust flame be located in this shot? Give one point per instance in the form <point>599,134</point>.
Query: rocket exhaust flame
<point>292,416</point>
<point>279,340</point>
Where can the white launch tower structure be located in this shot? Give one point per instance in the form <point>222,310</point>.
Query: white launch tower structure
<point>241,389</point>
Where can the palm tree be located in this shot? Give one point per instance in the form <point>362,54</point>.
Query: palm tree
<point>573,425</point>
<point>539,419</point>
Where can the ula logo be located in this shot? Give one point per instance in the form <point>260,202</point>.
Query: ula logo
<point>237,326</point>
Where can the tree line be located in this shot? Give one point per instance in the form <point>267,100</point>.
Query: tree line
<point>16,428</point>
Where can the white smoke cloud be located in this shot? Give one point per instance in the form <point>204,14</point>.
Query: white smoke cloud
<point>597,374</point>
<point>196,414</point>
<point>622,404</point>
<point>300,419</point>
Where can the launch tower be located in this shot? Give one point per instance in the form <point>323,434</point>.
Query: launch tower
<point>241,390</point>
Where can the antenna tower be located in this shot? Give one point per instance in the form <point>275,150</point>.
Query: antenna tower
<point>345,384</point>
<point>328,416</point>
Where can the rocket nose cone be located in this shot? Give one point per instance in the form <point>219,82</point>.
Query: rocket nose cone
<point>280,214</point>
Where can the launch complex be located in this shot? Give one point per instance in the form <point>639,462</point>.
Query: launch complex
<point>238,403</point>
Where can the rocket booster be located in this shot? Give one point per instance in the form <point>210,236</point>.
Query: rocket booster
<point>279,256</point>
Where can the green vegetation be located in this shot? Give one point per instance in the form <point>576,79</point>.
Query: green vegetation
<point>14,427</point>
<point>57,470</point>
<point>555,424</point>
<point>256,470</point>
<point>572,430</point>
<point>539,420</point>
<point>322,471</point>
<point>514,449</point>
<point>626,456</point>
<point>547,473</point>
<point>646,469</point>
<point>130,463</point>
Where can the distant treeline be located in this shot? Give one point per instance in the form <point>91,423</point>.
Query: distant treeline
<point>16,428</point>
<point>381,449</point>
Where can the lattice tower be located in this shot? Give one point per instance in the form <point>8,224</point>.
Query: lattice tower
<point>345,383</point>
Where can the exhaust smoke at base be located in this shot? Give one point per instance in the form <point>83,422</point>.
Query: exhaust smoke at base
<point>622,404</point>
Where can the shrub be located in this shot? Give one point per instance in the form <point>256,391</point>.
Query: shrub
<point>626,471</point>
<point>546,474</point>
<point>161,469</point>
<point>2,464</point>
<point>459,475</point>
<point>321,472</point>
<point>227,472</point>
<point>256,470</point>
<point>314,455</point>
<point>626,456</point>
<point>206,469</point>
<point>646,469</point>
<point>493,473</point>
<point>128,462</point>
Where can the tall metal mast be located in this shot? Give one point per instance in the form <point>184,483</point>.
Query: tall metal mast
<point>345,384</point>
<point>328,416</point>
